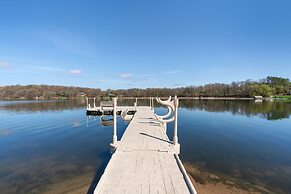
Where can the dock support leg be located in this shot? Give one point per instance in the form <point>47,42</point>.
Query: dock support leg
<point>165,127</point>
<point>175,136</point>
<point>94,102</point>
<point>113,145</point>
<point>87,101</point>
<point>114,122</point>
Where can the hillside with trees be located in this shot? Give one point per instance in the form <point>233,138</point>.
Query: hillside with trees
<point>267,87</point>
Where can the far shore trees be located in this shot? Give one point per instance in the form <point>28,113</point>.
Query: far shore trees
<point>267,87</point>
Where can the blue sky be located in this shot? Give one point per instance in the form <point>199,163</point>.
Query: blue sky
<point>150,43</point>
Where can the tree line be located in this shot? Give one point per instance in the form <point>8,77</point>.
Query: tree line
<point>266,87</point>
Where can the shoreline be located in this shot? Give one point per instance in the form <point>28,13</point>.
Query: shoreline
<point>147,98</point>
<point>208,183</point>
<point>203,181</point>
<point>133,98</point>
<point>74,185</point>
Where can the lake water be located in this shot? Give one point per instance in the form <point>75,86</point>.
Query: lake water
<point>50,146</point>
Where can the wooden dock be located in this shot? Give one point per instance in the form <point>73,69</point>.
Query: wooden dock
<point>144,160</point>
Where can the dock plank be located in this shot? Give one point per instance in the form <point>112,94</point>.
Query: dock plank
<point>144,161</point>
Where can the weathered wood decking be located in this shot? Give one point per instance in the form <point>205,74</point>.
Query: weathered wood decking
<point>144,161</point>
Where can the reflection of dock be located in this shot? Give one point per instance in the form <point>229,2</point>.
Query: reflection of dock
<point>98,110</point>
<point>145,160</point>
<point>106,108</point>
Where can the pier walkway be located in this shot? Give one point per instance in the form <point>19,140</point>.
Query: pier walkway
<point>144,161</point>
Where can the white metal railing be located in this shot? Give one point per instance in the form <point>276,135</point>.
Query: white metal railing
<point>172,106</point>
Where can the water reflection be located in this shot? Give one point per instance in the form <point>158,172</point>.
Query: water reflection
<point>105,121</point>
<point>51,149</point>
<point>41,106</point>
<point>270,110</point>
<point>267,110</point>
<point>50,145</point>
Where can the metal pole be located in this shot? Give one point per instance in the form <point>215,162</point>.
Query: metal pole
<point>165,127</point>
<point>87,100</point>
<point>175,136</point>
<point>114,122</point>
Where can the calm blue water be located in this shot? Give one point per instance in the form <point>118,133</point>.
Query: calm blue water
<point>43,144</point>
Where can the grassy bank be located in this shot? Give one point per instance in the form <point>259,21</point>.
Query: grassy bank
<point>285,97</point>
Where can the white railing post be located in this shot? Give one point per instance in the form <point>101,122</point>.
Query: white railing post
<point>94,102</point>
<point>136,101</point>
<point>153,106</point>
<point>165,127</point>
<point>87,101</point>
<point>151,102</point>
<point>172,108</point>
<point>175,136</point>
<point>114,141</point>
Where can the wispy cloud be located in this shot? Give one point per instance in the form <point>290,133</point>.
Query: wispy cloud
<point>172,72</point>
<point>136,80</point>
<point>4,65</point>
<point>71,42</point>
<point>75,71</point>
<point>54,69</point>
<point>127,76</point>
<point>217,70</point>
<point>45,68</point>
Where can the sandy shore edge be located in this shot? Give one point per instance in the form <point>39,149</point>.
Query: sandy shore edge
<point>207,183</point>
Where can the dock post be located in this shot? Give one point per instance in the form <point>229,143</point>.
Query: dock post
<point>165,127</point>
<point>113,145</point>
<point>175,136</point>
<point>153,106</point>
<point>87,101</point>
<point>114,142</point>
<point>94,102</point>
<point>151,102</point>
<point>136,101</point>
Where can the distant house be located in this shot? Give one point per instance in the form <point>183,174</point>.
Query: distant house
<point>81,94</point>
<point>39,98</point>
<point>258,98</point>
<point>111,95</point>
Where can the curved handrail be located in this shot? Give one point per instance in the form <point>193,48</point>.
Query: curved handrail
<point>167,120</point>
<point>171,109</point>
<point>168,100</point>
<point>166,115</point>
<point>166,103</point>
